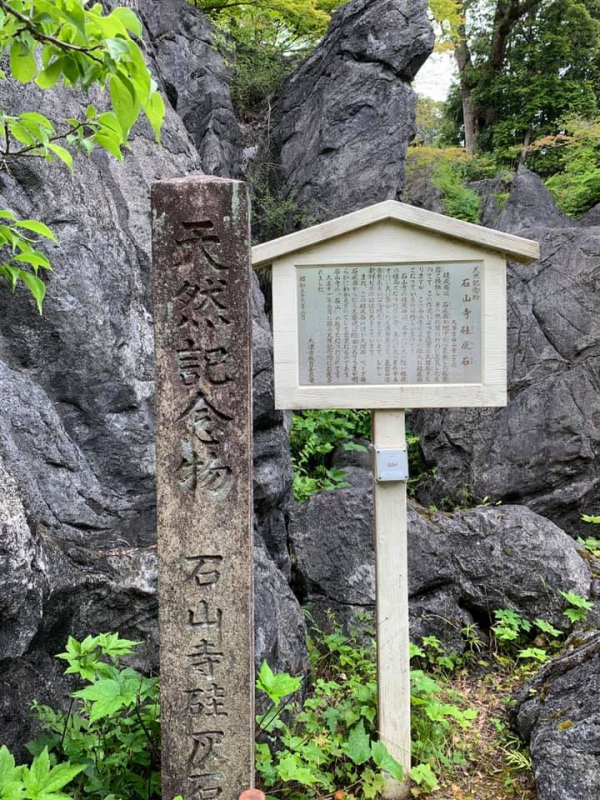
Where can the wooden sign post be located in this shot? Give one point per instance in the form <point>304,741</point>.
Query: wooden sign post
<point>389,308</point>
<point>201,249</point>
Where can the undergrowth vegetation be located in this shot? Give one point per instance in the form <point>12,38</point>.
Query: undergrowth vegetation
<point>314,437</point>
<point>314,742</point>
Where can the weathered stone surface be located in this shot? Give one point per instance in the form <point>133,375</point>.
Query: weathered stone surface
<point>84,370</point>
<point>195,81</point>
<point>462,566</point>
<point>20,574</point>
<point>542,449</point>
<point>592,217</point>
<point>557,714</point>
<point>203,325</point>
<point>280,629</point>
<point>419,189</point>
<point>347,115</point>
<point>76,395</point>
<point>529,206</point>
<point>356,464</point>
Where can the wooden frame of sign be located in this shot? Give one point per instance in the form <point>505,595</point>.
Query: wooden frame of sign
<point>391,241</point>
<point>388,308</point>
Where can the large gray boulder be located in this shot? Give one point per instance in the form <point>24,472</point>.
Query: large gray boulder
<point>557,714</point>
<point>462,566</point>
<point>542,449</point>
<point>347,115</point>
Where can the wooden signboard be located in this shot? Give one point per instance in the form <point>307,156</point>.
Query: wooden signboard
<point>391,307</point>
<point>388,308</point>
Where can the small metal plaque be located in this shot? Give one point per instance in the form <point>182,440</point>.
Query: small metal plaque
<point>391,464</point>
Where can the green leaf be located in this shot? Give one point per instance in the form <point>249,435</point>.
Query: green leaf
<point>278,686</point>
<point>12,273</point>
<point>34,259</point>
<point>129,20</point>
<point>546,627</point>
<point>22,62</point>
<point>61,775</point>
<point>37,227</point>
<point>291,768</point>
<point>37,119</point>
<point>108,695</point>
<point>7,766</point>
<point>35,286</point>
<point>358,745</point>
<point>124,102</point>
<point>63,154</point>
<point>155,111</point>
<point>117,47</point>
<point>423,775</point>
<point>386,762</point>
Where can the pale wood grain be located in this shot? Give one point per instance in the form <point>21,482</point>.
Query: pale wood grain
<point>391,564</point>
<point>379,245</point>
<point>404,216</point>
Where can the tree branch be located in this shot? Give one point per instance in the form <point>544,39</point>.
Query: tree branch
<point>30,148</point>
<point>45,38</point>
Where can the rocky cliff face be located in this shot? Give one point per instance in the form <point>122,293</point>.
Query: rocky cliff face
<point>76,427</point>
<point>76,398</point>
<point>542,449</point>
<point>347,115</point>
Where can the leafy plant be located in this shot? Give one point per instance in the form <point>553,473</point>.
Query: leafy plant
<point>590,543</point>
<point>110,734</point>
<point>447,170</point>
<point>510,626</point>
<point>313,437</point>
<point>263,42</point>
<point>515,637</point>
<point>578,607</point>
<point>331,745</point>
<point>40,781</point>
<point>78,44</point>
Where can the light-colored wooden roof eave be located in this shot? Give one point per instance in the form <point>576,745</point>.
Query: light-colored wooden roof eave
<point>513,247</point>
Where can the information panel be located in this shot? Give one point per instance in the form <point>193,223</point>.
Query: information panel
<point>392,324</point>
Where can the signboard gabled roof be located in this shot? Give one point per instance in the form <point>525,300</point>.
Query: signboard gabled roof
<point>513,247</point>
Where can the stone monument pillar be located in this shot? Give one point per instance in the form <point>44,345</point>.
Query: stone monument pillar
<point>201,285</point>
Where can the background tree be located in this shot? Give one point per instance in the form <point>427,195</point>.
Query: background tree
<point>524,65</point>
<point>82,46</point>
<point>263,41</point>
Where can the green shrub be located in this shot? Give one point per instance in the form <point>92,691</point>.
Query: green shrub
<point>313,437</point>
<point>447,170</point>
<point>332,745</point>
<point>110,734</point>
